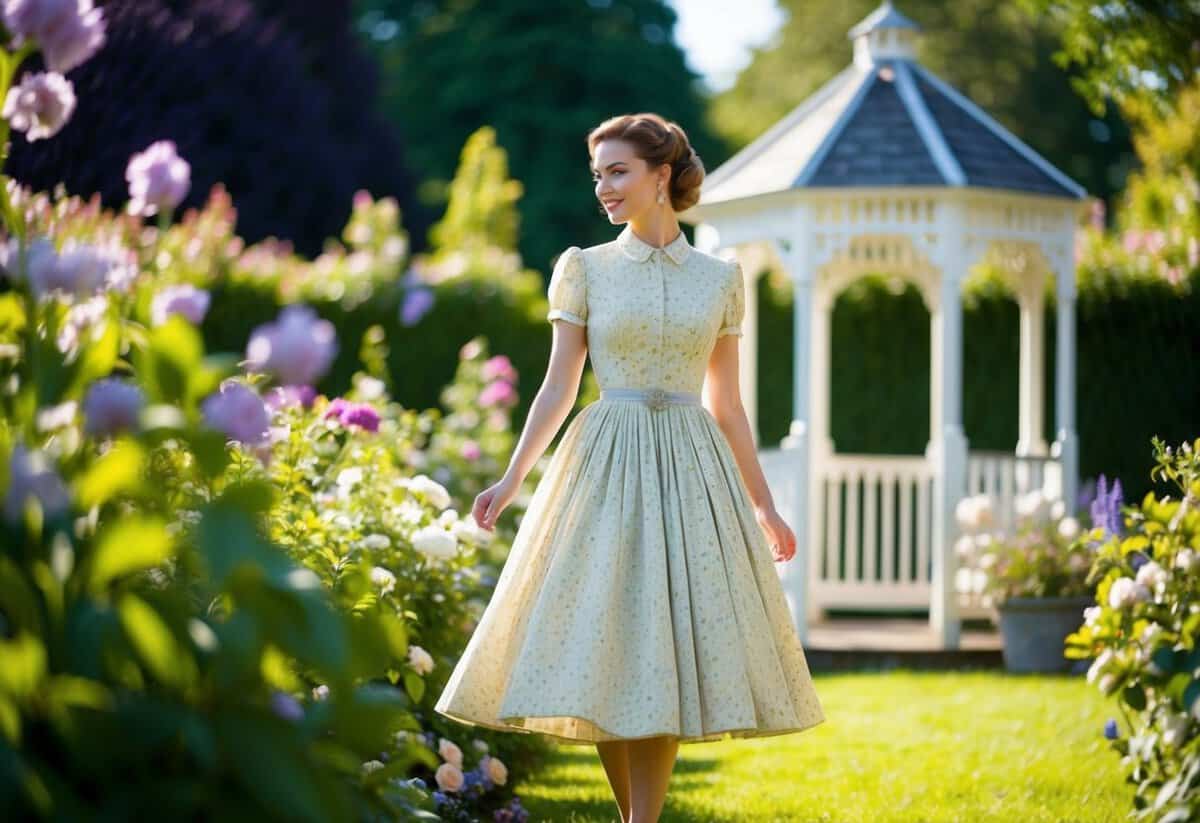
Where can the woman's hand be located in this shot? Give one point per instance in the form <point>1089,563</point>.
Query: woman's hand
<point>490,502</point>
<point>783,542</point>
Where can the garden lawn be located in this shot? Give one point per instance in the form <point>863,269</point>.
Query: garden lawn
<point>895,746</point>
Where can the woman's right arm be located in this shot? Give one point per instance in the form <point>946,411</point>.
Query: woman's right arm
<point>549,408</point>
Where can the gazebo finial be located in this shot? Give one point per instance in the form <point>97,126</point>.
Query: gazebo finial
<point>884,33</point>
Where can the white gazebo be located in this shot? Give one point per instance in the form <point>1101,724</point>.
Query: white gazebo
<point>888,169</point>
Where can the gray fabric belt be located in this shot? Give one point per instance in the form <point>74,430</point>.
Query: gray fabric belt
<point>654,398</point>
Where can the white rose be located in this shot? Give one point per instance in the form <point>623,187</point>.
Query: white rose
<point>384,579</point>
<point>1175,729</point>
<point>1068,528</point>
<point>1125,591</point>
<point>495,769</point>
<point>420,660</point>
<point>376,541</point>
<point>974,513</point>
<point>435,541</point>
<point>1150,574</point>
<point>450,752</point>
<point>1031,505</point>
<point>448,517</point>
<point>467,529</point>
<point>1091,615</point>
<point>430,488</point>
<point>1058,509</point>
<point>1185,560</point>
<point>349,477</point>
<point>449,777</point>
<point>964,546</point>
<point>1098,665</point>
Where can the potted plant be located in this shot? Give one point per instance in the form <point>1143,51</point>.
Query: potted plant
<point>1036,578</point>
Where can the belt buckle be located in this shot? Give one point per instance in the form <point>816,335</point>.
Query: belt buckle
<point>656,399</point>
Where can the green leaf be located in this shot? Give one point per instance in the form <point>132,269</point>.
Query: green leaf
<point>98,357</point>
<point>414,684</point>
<point>1135,696</point>
<point>155,643</point>
<point>118,471</point>
<point>22,665</point>
<point>129,545</point>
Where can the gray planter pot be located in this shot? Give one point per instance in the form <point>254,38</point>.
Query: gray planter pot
<point>1034,628</point>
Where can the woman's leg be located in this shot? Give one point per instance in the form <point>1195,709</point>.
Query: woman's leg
<point>614,755</point>
<point>651,761</point>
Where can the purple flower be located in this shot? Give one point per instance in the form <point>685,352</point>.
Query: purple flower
<point>1106,508</point>
<point>416,303</point>
<point>282,396</point>
<point>183,299</point>
<point>40,106</point>
<point>498,393</point>
<point>439,797</point>
<point>298,347</point>
<point>238,411</point>
<point>336,407</point>
<point>286,706</point>
<point>158,178</point>
<point>112,405</point>
<point>362,415</point>
<point>1110,729</point>
<point>68,32</point>
<point>32,474</point>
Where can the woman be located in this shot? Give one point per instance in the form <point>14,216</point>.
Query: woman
<point>639,608</point>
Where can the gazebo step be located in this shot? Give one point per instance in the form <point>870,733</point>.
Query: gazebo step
<point>883,642</point>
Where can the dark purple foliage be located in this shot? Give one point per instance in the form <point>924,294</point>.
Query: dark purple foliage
<point>275,100</point>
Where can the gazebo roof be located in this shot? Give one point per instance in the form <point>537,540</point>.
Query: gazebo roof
<point>885,120</point>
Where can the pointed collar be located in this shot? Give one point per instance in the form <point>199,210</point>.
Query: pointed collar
<point>640,250</point>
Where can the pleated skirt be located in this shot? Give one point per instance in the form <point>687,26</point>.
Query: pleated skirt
<point>639,598</point>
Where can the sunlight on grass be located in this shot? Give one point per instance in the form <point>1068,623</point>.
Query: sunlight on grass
<point>933,747</point>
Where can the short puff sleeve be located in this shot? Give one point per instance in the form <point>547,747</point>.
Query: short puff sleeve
<point>567,292</point>
<point>735,303</point>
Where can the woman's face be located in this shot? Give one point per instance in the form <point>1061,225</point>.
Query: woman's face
<point>625,185</point>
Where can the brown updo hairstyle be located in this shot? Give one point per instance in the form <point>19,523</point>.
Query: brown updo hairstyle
<point>657,140</point>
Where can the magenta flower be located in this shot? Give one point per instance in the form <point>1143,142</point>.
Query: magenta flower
<point>417,302</point>
<point>470,450</point>
<point>239,412</point>
<point>298,347</point>
<point>498,393</point>
<point>112,405</point>
<point>499,367</point>
<point>31,473</point>
<point>158,178</point>
<point>184,299</point>
<point>281,396</point>
<point>40,106</point>
<point>360,415</point>
<point>68,32</point>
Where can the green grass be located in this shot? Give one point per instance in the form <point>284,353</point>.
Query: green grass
<point>919,747</point>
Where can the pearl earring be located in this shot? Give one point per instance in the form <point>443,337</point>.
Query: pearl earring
<point>661,199</point>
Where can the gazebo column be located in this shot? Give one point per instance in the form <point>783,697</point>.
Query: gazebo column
<point>798,443</point>
<point>1032,303</point>
<point>947,450</point>
<point>1066,442</point>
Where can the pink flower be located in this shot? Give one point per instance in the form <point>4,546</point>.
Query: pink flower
<point>112,405</point>
<point>184,299</point>
<point>239,412</point>
<point>40,105</point>
<point>158,179</point>
<point>68,32</point>
<point>470,450</point>
<point>499,367</point>
<point>298,347</point>
<point>498,393</point>
<point>449,777</point>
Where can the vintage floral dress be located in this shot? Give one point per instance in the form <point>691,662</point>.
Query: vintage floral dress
<point>640,596</point>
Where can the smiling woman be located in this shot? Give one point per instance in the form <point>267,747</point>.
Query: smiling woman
<point>639,607</point>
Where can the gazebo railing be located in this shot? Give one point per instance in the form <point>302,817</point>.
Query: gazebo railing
<point>871,544</point>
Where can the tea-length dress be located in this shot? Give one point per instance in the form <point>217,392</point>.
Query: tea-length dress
<point>640,596</point>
